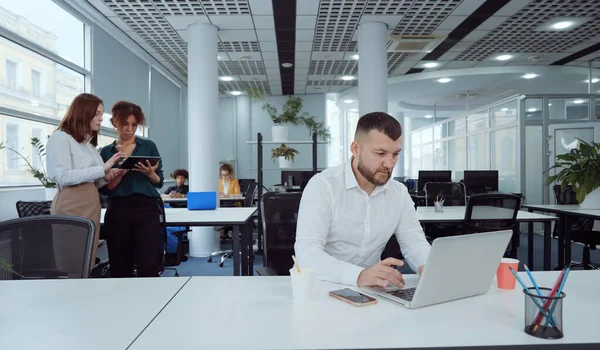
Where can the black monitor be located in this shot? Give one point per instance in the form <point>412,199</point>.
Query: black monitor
<point>481,181</point>
<point>296,177</point>
<point>426,176</point>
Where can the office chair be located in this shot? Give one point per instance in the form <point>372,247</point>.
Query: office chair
<point>581,228</point>
<point>453,192</point>
<point>169,259</point>
<point>279,215</point>
<point>248,202</point>
<point>47,247</point>
<point>34,208</point>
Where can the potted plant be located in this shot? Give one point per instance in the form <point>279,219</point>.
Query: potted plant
<point>285,155</point>
<point>580,168</point>
<point>4,265</point>
<point>291,113</point>
<point>38,173</point>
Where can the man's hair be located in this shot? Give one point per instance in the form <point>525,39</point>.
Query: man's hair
<point>180,172</point>
<point>381,122</point>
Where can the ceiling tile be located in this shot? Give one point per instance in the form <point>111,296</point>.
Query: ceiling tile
<point>475,35</point>
<point>268,46</point>
<point>133,35</point>
<point>301,64</point>
<point>182,22</point>
<point>451,22</point>
<point>307,7</point>
<point>266,35</point>
<point>304,46</point>
<point>450,55</point>
<point>492,22</point>
<point>264,22</point>
<point>327,55</point>
<point>301,71</point>
<point>305,34</point>
<point>303,55</point>
<point>512,7</point>
<point>467,7</point>
<point>306,22</point>
<point>261,7</point>
<point>233,22</point>
<point>237,35</point>
<point>270,55</point>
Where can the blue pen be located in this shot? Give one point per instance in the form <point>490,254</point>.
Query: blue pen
<point>560,288</point>
<point>532,298</point>
<point>537,289</point>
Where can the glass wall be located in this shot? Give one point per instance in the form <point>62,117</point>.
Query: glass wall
<point>485,139</point>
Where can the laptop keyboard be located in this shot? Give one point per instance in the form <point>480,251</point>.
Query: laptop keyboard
<point>406,294</point>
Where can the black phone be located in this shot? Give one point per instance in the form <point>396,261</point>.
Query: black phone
<point>131,161</point>
<point>353,297</point>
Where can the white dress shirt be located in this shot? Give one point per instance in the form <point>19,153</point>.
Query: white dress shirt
<point>70,163</point>
<point>226,187</point>
<point>341,229</point>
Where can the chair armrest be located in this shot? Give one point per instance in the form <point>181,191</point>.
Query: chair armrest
<point>266,271</point>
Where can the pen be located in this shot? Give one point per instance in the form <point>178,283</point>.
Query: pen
<point>535,301</point>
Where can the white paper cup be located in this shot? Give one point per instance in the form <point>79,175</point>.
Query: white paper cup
<point>302,283</point>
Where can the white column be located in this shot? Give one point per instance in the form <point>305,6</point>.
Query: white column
<point>372,68</point>
<point>244,134</point>
<point>399,168</point>
<point>203,126</point>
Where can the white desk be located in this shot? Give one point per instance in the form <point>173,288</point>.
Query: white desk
<point>565,213</point>
<point>457,215</point>
<point>236,217</point>
<point>80,314</point>
<point>261,315</point>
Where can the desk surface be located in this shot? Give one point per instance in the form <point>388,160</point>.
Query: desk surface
<point>261,315</point>
<point>80,314</point>
<point>219,216</point>
<point>457,214</point>
<point>565,208</point>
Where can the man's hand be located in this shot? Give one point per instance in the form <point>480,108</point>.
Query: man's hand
<point>382,274</point>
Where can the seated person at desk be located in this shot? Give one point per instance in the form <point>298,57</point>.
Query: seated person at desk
<point>227,184</point>
<point>180,189</point>
<point>349,212</point>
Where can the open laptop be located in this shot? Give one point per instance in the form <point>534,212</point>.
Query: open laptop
<point>457,267</point>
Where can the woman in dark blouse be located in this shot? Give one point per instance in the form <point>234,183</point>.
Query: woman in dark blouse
<point>132,218</point>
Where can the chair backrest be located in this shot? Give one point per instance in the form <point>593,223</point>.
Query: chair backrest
<point>454,193</point>
<point>566,195</point>
<point>492,211</point>
<point>244,184</point>
<point>250,193</point>
<point>34,208</point>
<point>47,247</point>
<point>279,215</point>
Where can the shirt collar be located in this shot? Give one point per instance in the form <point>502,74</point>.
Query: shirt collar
<point>351,182</point>
<point>113,146</point>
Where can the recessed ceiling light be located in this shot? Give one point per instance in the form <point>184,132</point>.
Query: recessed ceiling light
<point>430,65</point>
<point>562,25</point>
<point>347,77</point>
<point>529,115</point>
<point>594,81</point>
<point>286,65</point>
<point>503,57</point>
<point>549,104</point>
<point>578,102</point>
<point>444,80</point>
<point>355,57</point>
<point>226,78</point>
<point>353,109</point>
<point>532,110</point>
<point>428,116</point>
<point>348,101</point>
<point>504,109</point>
<point>530,76</point>
<point>235,93</point>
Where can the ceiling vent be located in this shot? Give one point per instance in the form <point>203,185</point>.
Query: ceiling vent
<point>467,95</point>
<point>414,43</point>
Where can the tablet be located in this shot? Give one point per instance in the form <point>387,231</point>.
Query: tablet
<point>130,162</point>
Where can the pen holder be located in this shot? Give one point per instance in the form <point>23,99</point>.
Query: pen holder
<point>547,324</point>
<point>438,207</point>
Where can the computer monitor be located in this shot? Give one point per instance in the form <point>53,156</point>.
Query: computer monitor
<point>296,177</point>
<point>481,181</point>
<point>426,176</point>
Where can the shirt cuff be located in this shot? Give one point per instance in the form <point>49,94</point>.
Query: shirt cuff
<point>350,275</point>
<point>101,182</point>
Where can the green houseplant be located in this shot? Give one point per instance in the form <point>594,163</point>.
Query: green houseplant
<point>40,151</point>
<point>580,168</point>
<point>6,266</point>
<point>292,114</point>
<point>285,155</point>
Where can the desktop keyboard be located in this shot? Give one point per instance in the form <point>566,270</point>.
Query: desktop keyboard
<point>406,294</point>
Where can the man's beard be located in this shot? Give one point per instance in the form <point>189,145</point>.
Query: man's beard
<point>370,176</point>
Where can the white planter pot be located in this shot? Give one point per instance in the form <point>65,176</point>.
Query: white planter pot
<point>50,193</point>
<point>279,133</point>
<point>284,163</point>
<point>592,200</point>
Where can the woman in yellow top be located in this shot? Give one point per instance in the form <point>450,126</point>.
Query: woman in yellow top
<point>227,184</point>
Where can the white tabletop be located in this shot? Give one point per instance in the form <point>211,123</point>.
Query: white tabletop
<point>80,314</point>
<point>219,216</point>
<point>261,315</point>
<point>457,214</point>
<point>566,208</point>
<point>167,199</point>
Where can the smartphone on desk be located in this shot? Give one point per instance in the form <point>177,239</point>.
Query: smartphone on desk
<point>353,297</point>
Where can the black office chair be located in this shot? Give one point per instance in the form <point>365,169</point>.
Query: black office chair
<point>170,259</point>
<point>47,247</point>
<point>33,208</point>
<point>279,216</point>
<point>248,202</point>
<point>244,184</point>
<point>581,228</point>
<point>454,193</point>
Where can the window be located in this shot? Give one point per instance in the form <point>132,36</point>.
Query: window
<point>11,74</point>
<point>36,83</point>
<point>12,141</point>
<point>36,158</point>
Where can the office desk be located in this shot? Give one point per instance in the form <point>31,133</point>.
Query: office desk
<point>80,314</point>
<point>457,215</point>
<point>239,218</point>
<point>261,315</point>
<point>565,212</point>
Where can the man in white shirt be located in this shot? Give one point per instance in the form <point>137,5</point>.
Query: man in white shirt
<point>349,212</point>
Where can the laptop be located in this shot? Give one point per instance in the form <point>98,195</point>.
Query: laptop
<point>457,267</point>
